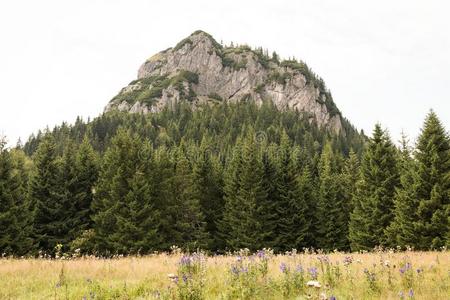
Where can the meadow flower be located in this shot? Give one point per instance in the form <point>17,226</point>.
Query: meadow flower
<point>173,277</point>
<point>411,293</point>
<point>348,260</point>
<point>332,298</point>
<point>313,272</point>
<point>234,270</point>
<point>284,268</point>
<point>185,278</point>
<point>185,260</point>
<point>299,269</point>
<point>401,295</point>
<point>313,283</point>
<point>261,254</point>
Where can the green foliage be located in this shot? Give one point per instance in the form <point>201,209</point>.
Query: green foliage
<point>125,216</point>
<point>146,90</point>
<point>279,78</point>
<point>182,43</point>
<point>244,192</point>
<point>163,178</point>
<point>49,201</point>
<point>373,204</point>
<point>14,214</point>
<point>215,96</point>
<point>331,209</point>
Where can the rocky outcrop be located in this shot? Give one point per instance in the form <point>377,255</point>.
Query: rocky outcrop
<point>198,69</point>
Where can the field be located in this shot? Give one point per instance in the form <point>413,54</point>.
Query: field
<point>379,275</point>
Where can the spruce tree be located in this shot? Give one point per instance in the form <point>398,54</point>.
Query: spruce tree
<point>401,231</point>
<point>433,184</point>
<point>331,233</point>
<point>86,169</point>
<point>125,220</point>
<point>14,214</point>
<point>291,207</point>
<point>51,206</point>
<point>268,208</point>
<point>188,226</point>
<point>374,200</point>
<point>207,188</point>
<point>244,193</point>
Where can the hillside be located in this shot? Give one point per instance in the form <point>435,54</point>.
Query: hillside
<point>199,70</point>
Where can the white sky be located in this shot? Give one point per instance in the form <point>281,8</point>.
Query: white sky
<point>384,61</point>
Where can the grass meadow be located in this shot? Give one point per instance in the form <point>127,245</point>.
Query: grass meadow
<point>262,275</point>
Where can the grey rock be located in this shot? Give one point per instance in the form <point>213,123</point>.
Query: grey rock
<point>244,77</point>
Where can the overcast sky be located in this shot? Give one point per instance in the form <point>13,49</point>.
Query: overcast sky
<point>384,61</point>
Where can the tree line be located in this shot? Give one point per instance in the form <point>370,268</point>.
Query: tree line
<point>222,178</point>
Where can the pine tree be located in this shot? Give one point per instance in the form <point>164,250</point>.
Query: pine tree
<point>51,207</point>
<point>207,188</point>
<point>330,208</point>
<point>350,177</point>
<point>267,210</point>
<point>125,220</point>
<point>188,226</point>
<point>14,231</point>
<point>374,204</point>
<point>293,190</point>
<point>244,193</point>
<point>433,184</point>
<point>401,231</point>
<point>86,170</point>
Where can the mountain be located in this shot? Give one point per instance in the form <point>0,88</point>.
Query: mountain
<point>200,70</point>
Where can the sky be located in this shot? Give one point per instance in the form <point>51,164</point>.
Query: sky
<point>384,61</point>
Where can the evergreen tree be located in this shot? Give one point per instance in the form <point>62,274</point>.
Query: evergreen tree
<point>349,179</point>
<point>51,207</point>
<point>188,226</point>
<point>293,190</point>
<point>244,193</point>
<point>14,230</point>
<point>433,184</point>
<point>374,204</point>
<point>268,209</point>
<point>86,174</point>
<point>330,208</point>
<point>125,220</point>
<point>401,231</point>
<point>207,188</point>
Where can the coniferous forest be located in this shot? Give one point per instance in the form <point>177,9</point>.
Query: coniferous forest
<point>221,178</point>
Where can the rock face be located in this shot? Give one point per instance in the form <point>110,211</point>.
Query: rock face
<point>200,70</point>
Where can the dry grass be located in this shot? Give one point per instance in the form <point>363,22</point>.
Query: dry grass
<point>146,277</point>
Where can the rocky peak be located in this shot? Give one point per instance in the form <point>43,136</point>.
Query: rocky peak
<point>200,70</point>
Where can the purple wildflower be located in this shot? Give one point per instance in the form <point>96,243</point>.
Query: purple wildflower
<point>234,270</point>
<point>261,254</point>
<point>332,298</point>
<point>313,272</point>
<point>348,260</point>
<point>411,293</point>
<point>185,278</point>
<point>299,269</point>
<point>284,268</point>
<point>185,261</point>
